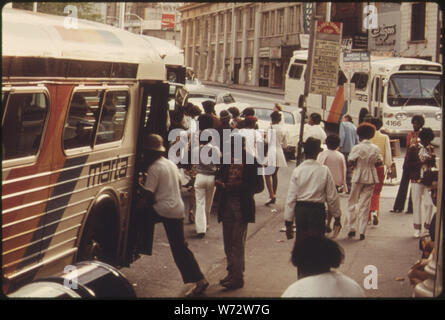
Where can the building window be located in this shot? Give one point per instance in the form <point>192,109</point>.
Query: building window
<point>265,23</point>
<point>213,24</point>
<point>239,20</point>
<point>251,18</point>
<point>221,23</point>
<point>291,25</point>
<point>418,22</point>
<point>280,18</point>
<point>272,23</point>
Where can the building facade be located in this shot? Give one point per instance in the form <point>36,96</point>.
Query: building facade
<point>157,19</point>
<point>251,42</point>
<point>246,43</point>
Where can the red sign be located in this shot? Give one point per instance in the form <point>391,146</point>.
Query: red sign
<point>168,21</point>
<point>329,27</point>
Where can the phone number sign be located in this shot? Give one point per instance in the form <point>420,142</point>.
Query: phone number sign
<point>326,58</point>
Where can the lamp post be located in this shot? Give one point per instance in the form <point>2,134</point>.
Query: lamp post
<point>140,21</point>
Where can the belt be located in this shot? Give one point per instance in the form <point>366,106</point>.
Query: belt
<point>309,204</point>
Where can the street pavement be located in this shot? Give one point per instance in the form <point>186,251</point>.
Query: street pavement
<point>389,248</point>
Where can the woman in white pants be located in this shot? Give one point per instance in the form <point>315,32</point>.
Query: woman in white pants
<point>420,159</point>
<point>364,158</point>
<point>209,158</point>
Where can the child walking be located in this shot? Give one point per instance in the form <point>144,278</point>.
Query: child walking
<point>335,161</point>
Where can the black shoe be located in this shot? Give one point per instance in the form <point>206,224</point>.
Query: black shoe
<point>233,284</point>
<point>201,235</point>
<point>328,229</point>
<point>271,201</point>
<point>201,286</point>
<point>226,279</point>
<point>362,237</point>
<point>375,220</point>
<point>351,234</point>
<point>408,212</point>
<point>395,211</point>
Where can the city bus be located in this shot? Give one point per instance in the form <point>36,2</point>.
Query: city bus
<point>76,100</point>
<point>394,89</point>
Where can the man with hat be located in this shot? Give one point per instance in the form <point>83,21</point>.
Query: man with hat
<point>311,186</point>
<point>162,186</point>
<point>364,158</point>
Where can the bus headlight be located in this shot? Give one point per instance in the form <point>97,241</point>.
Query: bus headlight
<point>401,116</point>
<point>438,116</point>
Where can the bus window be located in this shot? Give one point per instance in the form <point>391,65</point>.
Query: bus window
<point>23,124</point>
<point>341,78</point>
<point>361,80</point>
<point>414,89</point>
<point>114,112</point>
<point>295,71</point>
<point>81,119</point>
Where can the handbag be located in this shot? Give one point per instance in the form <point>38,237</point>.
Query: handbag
<point>393,173</point>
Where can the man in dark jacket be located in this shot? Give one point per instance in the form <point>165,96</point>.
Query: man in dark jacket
<point>238,182</point>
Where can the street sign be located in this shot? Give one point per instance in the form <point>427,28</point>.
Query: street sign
<point>355,62</point>
<point>326,58</point>
<point>308,7</point>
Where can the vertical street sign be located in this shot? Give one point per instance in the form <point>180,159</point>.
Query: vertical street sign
<point>326,58</point>
<point>308,8</point>
<point>322,66</point>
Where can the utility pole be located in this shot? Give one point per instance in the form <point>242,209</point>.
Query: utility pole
<point>307,78</point>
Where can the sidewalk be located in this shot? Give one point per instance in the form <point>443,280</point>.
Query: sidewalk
<point>244,87</point>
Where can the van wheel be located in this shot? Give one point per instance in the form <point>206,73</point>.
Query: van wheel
<point>98,239</point>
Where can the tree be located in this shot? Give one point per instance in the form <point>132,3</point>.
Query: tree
<point>85,10</point>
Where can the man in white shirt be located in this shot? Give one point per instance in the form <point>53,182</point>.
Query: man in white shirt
<point>314,129</point>
<point>162,186</point>
<point>311,186</point>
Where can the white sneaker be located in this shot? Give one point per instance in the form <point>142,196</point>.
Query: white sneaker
<point>417,234</point>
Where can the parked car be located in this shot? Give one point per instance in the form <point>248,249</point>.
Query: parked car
<point>193,85</point>
<point>223,101</point>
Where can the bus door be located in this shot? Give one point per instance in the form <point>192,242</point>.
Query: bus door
<point>154,118</point>
<point>377,96</point>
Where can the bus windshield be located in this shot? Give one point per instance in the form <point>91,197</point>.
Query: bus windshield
<point>415,89</point>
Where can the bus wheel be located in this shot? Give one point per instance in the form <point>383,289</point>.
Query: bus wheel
<point>99,238</point>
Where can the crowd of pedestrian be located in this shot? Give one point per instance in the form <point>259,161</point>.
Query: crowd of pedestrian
<point>354,162</point>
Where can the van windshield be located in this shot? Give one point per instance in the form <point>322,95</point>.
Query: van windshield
<point>415,89</point>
